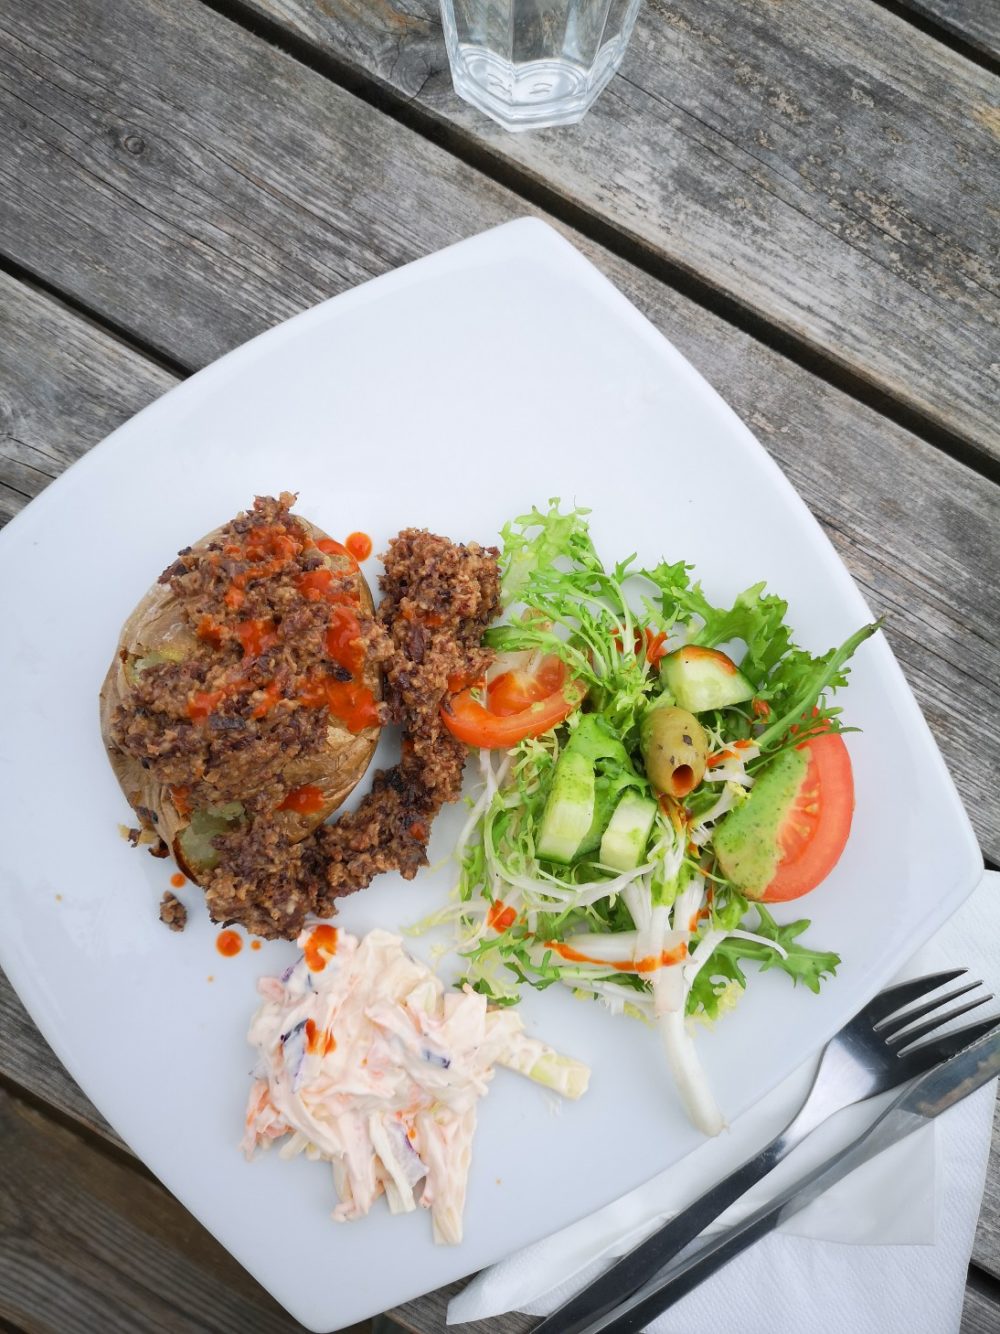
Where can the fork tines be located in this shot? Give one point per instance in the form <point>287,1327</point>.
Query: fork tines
<point>892,999</point>
<point>898,1026</point>
<point>897,1029</point>
<point>950,1044</point>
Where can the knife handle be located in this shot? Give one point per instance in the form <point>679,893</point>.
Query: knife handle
<point>645,1261</point>
<point>701,1262</point>
<point>914,1106</point>
<point>645,1306</point>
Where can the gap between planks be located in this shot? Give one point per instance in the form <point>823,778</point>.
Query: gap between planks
<point>96,319</point>
<point>686,280</point>
<point>969,33</point>
<point>102,1141</point>
<point>981,1312</point>
<point>666,271</point>
<point>121,383</point>
<point>904,519</point>
<point>424,1315</point>
<point>90,1242</point>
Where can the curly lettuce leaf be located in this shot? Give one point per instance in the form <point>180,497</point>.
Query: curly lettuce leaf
<point>533,542</point>
<point>724,965</point>
<point>603,621</point>
<point>800,681</point>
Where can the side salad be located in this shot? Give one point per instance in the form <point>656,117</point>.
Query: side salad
<point>656,770</point>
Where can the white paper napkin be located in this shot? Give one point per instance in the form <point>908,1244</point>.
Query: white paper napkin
<point>885,1249</point>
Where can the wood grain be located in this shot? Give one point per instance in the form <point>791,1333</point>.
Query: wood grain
<point>428,1315</point>
<point>829,168</point>
<point>26,1060</point>
<point>77,363</point>
<point>171,209</point>
<point>77,390</point>
<point>89,1243</point>
<point>976,22</point>
<point>227,220</point>
<point>981,1312</point>
<point>28,1063</point>
<point>986,1251</point>
<point>191,185</point>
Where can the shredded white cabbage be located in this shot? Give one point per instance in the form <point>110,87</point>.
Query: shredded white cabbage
<point>364,1061</point>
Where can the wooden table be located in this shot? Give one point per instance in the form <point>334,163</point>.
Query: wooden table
<point>802,195</point>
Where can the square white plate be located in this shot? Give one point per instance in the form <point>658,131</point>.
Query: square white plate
<point>451,394</point>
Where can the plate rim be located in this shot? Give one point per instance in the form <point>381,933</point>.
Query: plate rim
<point>509,242</point>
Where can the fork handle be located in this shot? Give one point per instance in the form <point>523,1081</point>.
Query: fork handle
<point>644,1261</point>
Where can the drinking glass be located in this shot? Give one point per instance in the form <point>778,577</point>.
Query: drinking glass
<point>532,63</point>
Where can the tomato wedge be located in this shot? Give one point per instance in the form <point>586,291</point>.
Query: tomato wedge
<point>814,829</point>
<point>518,704</point>
<point>514,691</point>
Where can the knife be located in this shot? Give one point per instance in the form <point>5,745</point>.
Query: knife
<point>918,1104</point>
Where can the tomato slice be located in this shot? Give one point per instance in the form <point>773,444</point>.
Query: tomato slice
<point>519,704</point>
<point>516,690</point>
<point>814,830</point>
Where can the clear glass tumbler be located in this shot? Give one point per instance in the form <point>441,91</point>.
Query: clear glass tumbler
<point>532,63</point>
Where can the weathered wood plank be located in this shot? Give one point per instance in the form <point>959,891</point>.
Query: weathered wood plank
<point>986,1251</point>
<point>62,360</point>
<point>80,389</point>
<point>820,162</point>
<point>862,228</point>
<point>26,1059</point>
<point>27,1062</point>
<point>976,22</point>
<point>981,1313</point>
<point>928,567</point>
<point>227,220</point>
<point>88,1242</point>
<point>428,1315</point>
<point>154,156</point>
<point>709,338</point>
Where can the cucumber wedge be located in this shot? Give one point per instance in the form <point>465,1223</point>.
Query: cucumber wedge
<point>623,846</point>
<point>569,811</point>
<point>703,678</point>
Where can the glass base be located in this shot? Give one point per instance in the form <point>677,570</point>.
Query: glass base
<point>534,95</point>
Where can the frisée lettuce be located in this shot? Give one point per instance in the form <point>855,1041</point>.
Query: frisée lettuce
<point>669,936</point>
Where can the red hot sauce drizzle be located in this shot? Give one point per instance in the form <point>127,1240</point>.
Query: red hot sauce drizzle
<point>321,946</point>
<point>359,545</point>
<point>270,551</point>
<point>228,944</point>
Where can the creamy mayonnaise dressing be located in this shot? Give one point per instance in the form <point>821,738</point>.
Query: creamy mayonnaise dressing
<point>367,1062</point>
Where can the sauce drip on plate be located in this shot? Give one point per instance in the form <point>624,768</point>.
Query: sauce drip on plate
<point>359,545</point>
<point>228,943</point>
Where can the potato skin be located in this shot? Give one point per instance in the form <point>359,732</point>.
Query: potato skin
<point>157,622</point>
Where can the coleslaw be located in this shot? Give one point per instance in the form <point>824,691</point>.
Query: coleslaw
<point>366,1062</point>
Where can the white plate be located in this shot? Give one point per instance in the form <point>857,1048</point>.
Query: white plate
<point>452,394</point>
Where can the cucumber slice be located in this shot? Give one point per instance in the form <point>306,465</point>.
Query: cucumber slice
<point>569,811</point>
<point>703,678</point>
<point>624,843</point>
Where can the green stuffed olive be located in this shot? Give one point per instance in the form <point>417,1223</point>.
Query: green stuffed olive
<point>675,749</point>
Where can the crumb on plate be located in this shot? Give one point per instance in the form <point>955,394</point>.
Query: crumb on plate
<point>172,912</point>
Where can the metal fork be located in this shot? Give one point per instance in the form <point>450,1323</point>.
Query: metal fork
<point>871,1054</point>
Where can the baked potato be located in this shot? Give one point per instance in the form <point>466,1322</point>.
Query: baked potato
<point>245,686</point>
